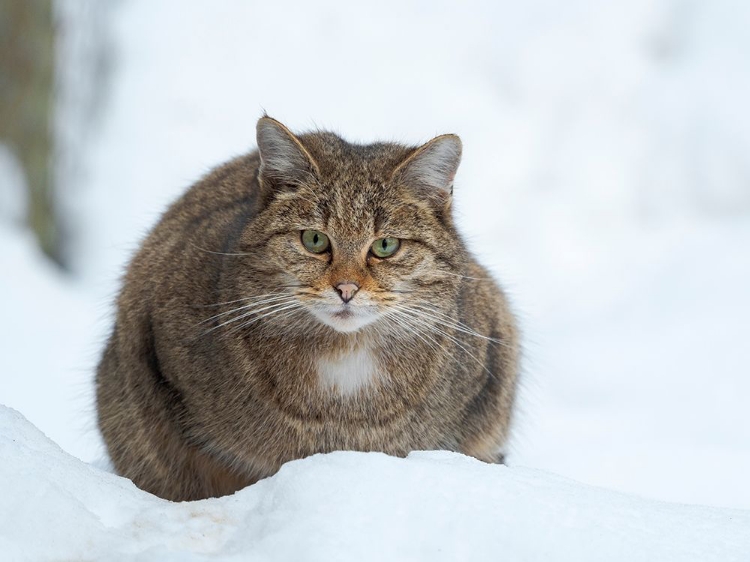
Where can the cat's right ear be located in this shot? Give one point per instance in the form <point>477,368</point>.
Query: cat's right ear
<point>284,161</point>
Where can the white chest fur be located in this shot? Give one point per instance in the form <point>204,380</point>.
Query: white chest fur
<point>348,373</point>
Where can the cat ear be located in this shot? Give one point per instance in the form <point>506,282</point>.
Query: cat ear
<point>432,167</point>
<point>283,159</point>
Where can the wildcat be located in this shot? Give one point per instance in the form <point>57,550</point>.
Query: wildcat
<point>308,297</point>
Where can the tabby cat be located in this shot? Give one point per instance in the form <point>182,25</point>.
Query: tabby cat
<point>311,296</point>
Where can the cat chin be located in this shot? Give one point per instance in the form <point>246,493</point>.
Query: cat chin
<point>344,320</point>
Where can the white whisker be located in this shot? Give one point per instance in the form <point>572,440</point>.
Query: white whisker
<point>465,276</point>
<point>414,328</point>
<point>244,299</point>
<point>255,302</point>
<point>244,325</point>
<point>217,253</point>
<point>249,313</point>
<point>416,320</point>
<point>443,318</point>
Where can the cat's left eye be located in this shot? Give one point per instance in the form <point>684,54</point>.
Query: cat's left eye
<point>315,241</point>
<point>385,247</point>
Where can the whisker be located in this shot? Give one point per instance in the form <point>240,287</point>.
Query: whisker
<point>444,272</point>
<point>246,314</point>
<point>417,326</point>
<point>292,311</point>
<point>247,323</point>
<point>256,297</point>
<point>217,253</point>
<point>253,298</point>
<point>445,320</point>
<point>221,303</point>
<point>439,316</point>
<point>395,316</point>
<point>245,307</point>
<point>417,321</point>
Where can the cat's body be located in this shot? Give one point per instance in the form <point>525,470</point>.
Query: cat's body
<point>236,348</point>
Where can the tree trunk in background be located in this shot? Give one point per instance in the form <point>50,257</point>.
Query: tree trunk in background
<point>27,78</point>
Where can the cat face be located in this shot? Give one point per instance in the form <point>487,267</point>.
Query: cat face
<point>356,234</point>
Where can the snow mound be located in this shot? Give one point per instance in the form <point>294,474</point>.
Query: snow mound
<point>344,506</point>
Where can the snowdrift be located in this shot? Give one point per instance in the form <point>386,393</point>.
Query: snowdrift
<point>344,506</point>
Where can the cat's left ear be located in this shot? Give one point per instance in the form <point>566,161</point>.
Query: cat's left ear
<point>432,167</point>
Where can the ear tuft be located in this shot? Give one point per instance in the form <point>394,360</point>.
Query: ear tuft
<point>283,159</point>
<point>432,167</point>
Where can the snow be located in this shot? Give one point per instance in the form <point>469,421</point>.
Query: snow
<point>345,506</point>
<point>641,372</point>
<point>604,181</point>
<point>51,336</point>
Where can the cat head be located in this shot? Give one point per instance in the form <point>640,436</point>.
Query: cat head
<point>354,234</point>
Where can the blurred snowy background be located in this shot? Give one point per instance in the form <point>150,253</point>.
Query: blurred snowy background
<point>605,181</point>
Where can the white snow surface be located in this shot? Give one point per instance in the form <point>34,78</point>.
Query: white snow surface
<point>345,506</point>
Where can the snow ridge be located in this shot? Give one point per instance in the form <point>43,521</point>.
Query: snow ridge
<point>344,506</point>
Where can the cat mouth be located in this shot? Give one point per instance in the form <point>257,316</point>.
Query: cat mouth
<point>343,313</point>
<point>345,318</point>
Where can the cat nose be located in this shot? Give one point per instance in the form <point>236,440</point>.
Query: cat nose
<point>347,290</point>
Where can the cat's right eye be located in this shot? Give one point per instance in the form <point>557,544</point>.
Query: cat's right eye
<point>315,241</point>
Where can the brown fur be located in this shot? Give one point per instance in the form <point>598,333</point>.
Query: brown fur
<point>190,408</point>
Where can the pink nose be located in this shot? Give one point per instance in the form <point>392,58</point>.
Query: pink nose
<point>347,290</point>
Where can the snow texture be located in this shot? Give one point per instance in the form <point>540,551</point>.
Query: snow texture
<point>345,506</point>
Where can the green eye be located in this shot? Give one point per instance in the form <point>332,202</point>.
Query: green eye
<point>315,241</point>
<point>385,247</point>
